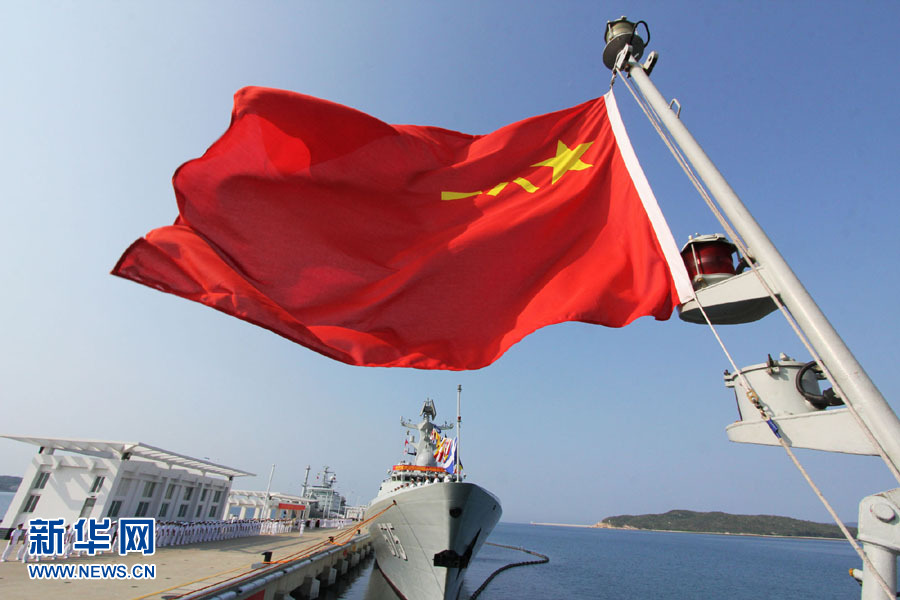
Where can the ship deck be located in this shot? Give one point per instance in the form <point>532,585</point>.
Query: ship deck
<point>180,570</point>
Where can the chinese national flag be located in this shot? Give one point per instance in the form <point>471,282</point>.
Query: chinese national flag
<point>409,246</point>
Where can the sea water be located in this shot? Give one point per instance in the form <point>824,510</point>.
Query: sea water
<point>5,501</point>
<point>618,564</point>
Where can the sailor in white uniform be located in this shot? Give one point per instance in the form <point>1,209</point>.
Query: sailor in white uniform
<point>113,533</point>
<point>22,554</point>
<point>68,541</point>
<point>14,536</point>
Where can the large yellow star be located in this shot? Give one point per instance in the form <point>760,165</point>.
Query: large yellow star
<point>566,159</point>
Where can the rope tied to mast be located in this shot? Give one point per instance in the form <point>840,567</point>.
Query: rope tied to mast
<point>752,396</point>
<point>742,246</point>
<point>757,402</point>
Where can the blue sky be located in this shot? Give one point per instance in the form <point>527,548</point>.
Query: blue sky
<point>795,102</point>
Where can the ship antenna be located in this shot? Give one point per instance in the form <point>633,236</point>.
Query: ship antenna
<point>458,427</point>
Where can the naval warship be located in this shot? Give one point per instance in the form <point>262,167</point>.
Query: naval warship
<point>427,522</point>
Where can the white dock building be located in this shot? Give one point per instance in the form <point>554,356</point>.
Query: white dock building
<point>244,504</point>
<point>72,478</point>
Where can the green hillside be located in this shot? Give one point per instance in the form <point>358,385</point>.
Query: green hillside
<point>8,483</point>
<point>719,522</point>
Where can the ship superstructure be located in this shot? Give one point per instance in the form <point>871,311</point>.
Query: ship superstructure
<point>428,523</point>
<point>326,501</point>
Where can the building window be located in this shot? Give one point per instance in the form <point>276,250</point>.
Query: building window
<point>124,487</point>
<point>114,508</point>
<point>98,483</point>
<point>182,511</point>
<point>197,514</point>
<point>170,491</point>
<point>163,509</point>
<point>217,496</point>
<point>32,502</point>
<point>149,487</point>
<point>188,492</point>
<point>142,509</point>
<point>212,511</point>
<point>203,495</point>
<point>87,507</point>
<point>41,480</point>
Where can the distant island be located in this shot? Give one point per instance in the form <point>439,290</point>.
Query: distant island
<point>8,483</point>
<point>724,523</point>
<point>719,523</point>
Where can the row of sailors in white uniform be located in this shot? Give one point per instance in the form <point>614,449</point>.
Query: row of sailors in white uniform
<point>20,536</point>
<point>168,533</point>
<point>177,533</point>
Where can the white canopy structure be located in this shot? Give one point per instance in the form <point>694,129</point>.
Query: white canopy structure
<point>72,478</point>
<point>126,450</point>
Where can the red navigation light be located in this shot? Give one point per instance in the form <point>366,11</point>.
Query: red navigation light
<point>708,255</point>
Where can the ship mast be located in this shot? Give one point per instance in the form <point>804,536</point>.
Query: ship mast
<point>306,481</point>
<point>858,390</point>
<point>458,465</point>
<point>621,55</point>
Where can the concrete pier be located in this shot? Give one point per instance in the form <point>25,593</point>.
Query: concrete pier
<point>224,570</point>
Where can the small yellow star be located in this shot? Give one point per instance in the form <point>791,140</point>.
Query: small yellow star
<point>566,159</point>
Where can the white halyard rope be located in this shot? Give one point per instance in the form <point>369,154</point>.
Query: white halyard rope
<point>755,400</point>
<point>704,193</point>
<point>751,393</point>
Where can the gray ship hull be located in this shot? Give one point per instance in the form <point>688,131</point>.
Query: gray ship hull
<point>444,523</point>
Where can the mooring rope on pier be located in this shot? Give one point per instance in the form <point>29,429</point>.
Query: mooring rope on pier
<point>543,559</point>
<point>339,539</point>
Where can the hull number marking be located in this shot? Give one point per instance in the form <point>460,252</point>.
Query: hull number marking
<point>393,542</point>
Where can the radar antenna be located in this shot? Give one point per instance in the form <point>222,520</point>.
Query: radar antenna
<point>429,412</point>
<point>428,409</point>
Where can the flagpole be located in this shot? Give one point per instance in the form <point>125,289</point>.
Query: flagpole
<point>268,489</point>
<point>859,390</point>
<point>306,481</point>
<point>458,427</point>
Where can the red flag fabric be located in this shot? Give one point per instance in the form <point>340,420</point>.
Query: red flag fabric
<point>412,246</point>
